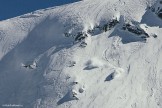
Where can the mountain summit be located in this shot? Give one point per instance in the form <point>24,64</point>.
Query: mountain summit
<point>87,54</point>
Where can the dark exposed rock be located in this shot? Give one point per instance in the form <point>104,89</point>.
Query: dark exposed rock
<point>153,9</point>
<point>160,2</point>
<point>160,14</point>
<point>75,82</point>
<point>83,44</point>
<point>96,30</point>
<point>80,36</point>
<point>67,34</point>
<point>154,35</point>
<point>110,25</point>
<point>100,28</point>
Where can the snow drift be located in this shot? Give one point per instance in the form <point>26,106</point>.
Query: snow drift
<point>88,54</point>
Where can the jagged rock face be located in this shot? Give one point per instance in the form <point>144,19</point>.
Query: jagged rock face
<point>88,54</point>
<point>157,8</point>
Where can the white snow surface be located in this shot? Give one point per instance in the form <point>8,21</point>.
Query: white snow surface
<point>115,70</point>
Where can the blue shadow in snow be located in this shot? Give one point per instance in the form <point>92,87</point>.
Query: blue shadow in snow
<point>110,77</point>
<point>126,36</point>
<point>89,68</point>
<point>66,98</point>
<point>151,19</point>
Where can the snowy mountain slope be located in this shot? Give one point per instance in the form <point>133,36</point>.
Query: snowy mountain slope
<point>41,67</point>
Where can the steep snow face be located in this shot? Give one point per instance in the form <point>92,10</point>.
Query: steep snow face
<point>89,54</point>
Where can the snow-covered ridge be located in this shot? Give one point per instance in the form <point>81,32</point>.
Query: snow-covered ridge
<point>88,54</point>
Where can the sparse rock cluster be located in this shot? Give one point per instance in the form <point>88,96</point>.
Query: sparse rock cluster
<point>30,65</point>
<point>77,90</point>
<point>108,26</point>
<point>80,36</point>
<point>157,9</point>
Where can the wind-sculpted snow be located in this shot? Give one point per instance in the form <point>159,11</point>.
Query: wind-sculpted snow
<point>88,54</point>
